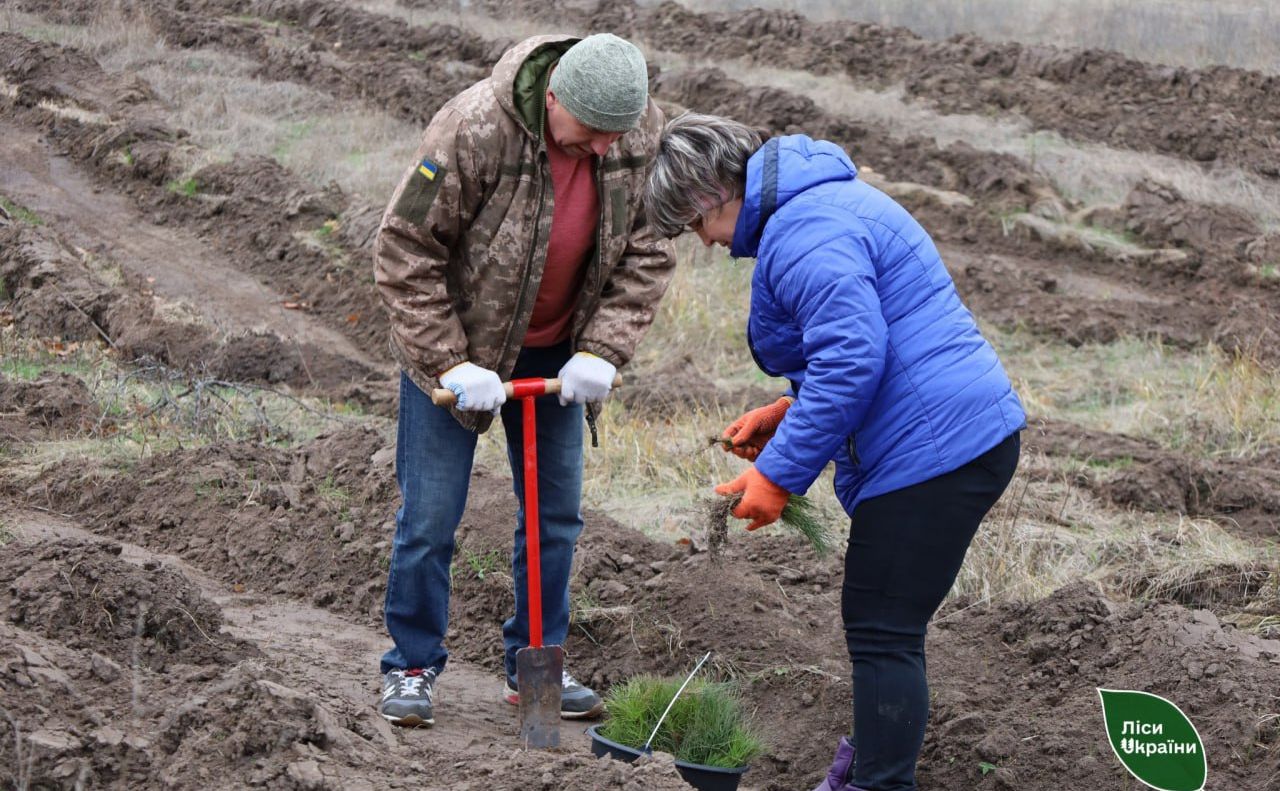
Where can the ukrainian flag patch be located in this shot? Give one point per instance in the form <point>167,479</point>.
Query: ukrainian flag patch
<point>420,191</point>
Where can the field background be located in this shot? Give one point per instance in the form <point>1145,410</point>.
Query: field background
<point>196,399</point>
<point>1191,33</point>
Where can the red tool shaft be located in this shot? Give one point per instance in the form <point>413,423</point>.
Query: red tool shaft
<point>527,391</point>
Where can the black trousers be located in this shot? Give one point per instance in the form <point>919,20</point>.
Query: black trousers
<point>905,549</point>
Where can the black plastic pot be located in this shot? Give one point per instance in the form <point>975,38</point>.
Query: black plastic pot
<point>703,778</point>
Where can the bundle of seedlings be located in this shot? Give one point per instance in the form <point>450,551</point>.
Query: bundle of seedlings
<point>800,514</point>
<point>706,726</point>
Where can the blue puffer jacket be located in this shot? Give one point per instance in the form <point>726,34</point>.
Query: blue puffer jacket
<point>851,303</point>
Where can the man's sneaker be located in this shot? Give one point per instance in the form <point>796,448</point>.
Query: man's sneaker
<point>406,697</point>
<point>576,701</point>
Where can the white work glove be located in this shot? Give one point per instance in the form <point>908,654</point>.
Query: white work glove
<point>585,378</point>
<point>478,389</point>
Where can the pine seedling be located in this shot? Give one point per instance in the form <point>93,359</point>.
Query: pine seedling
<point>706,726</point>
<point>800,514</point>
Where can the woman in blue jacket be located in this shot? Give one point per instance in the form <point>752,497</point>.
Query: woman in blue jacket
<point>890,379</point>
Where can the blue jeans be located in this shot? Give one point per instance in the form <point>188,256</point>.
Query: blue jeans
<point>434,455</point>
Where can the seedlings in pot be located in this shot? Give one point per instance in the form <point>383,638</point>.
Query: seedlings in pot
<point>707,725</point>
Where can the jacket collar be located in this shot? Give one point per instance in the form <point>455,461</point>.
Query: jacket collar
<point>781,169</point>
<point>520,80</point>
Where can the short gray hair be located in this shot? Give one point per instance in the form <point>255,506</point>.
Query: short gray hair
<point>701,163</point>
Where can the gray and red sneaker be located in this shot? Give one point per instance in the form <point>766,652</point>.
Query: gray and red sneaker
<point>407,697</point>
<point>577,702</point>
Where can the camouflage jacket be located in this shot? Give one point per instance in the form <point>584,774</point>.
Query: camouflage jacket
<point>461,248</point>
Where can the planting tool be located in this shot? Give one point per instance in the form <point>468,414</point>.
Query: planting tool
<point>539,668</point>
<point>446,398</point>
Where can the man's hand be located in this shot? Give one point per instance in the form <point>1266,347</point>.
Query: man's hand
<point>762,499</point>
<point>748,434</point>
<point>585,378</point>
<point>478,389</point>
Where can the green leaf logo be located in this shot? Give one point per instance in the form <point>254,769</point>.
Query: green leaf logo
<point>1154,740</point>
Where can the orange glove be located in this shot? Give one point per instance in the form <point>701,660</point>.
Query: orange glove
<point>762,499</point>
<point>748,434</point>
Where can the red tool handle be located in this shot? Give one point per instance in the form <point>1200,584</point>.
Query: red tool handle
<point>528,390</point>
<point>444,397</point>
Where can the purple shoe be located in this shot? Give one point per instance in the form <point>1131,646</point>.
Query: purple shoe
<point>838,774</point>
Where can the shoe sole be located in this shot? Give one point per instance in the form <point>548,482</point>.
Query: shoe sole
<point>411,721</point>
<point>591,713</point>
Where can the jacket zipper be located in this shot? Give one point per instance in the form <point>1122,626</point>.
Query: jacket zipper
<point>598,263</point>
<point>528,264</point>
<point>590,410</point>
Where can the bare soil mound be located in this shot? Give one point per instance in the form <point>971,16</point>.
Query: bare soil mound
<point>308,523</point>
<point>679,385</point>
<point>53,403</point>
<point>1243,494</point>
<point>1161,215</point>
<point>86,597</point>
<point>103,710</point>
<point>1200,114</point>
<point>1000,180</point>
<point>55,294</point>
<point>1038,716</point>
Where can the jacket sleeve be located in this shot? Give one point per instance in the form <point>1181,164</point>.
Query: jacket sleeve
<point>831,294</point>
<point>436,201</point>
<point>636,284</point>
<point>631,294</point>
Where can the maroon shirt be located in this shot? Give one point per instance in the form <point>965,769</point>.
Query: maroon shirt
<point>573,238</point>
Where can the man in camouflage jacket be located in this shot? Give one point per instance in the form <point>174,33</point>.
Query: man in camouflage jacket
<point>515,246</point>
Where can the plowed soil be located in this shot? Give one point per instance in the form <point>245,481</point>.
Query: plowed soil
<point>211,617</point>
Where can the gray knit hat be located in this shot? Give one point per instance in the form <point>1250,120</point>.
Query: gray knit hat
<point>603,82</point>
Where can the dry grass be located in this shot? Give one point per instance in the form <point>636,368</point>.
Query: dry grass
<point>1179,32</point>
<point>1045,533</point>
<point>1205,402</point>
<point>651,472</point>
<point>229,111</point>
<point>140,410</point>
